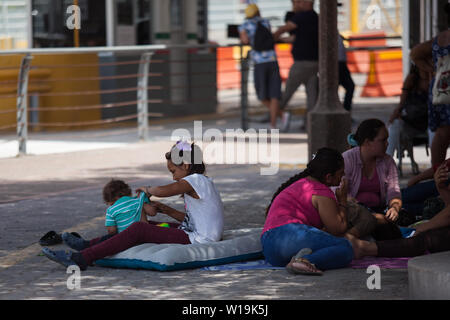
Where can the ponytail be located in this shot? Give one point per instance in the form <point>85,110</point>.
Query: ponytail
<point>325,161</point>
<point>367,130</point>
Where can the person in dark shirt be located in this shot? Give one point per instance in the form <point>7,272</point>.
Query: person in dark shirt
<point>305,50</point>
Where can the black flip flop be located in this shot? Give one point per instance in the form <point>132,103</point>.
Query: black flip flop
<point>50,238</point>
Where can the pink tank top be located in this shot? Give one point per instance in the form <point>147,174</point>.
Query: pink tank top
<point>294,205</point>
<point>369,191</point>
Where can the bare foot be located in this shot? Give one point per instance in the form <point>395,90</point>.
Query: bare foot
<point>356,245</point>
<point>302,266</point>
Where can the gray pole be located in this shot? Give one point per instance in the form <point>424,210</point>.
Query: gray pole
<point>110,22</point>
<point>328,123</point>
<point>178,56</point>
<point>244,90</point>
<point>22,110</point>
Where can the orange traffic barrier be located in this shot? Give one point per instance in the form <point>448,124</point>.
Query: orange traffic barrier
<point>285,60</point>
<point>358,61</point>
<point>385,77</point>
<point>228,73</point>
<point>228,64</point>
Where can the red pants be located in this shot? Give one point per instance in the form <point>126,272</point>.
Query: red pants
<point>136,234</point>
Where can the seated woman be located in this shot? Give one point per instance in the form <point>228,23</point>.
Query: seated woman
<point>419,189</point>
<point>431,236</point>
<point>410,117</point>
<point>372,176</point>
<point>305,221</point>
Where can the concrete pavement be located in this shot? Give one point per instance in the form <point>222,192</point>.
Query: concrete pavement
<point>62,192</point>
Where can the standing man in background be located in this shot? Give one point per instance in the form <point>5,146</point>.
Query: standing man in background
<point>305,51</point>
<point>345,78</point>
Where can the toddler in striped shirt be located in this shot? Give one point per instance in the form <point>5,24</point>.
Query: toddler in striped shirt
<point>124,209</point>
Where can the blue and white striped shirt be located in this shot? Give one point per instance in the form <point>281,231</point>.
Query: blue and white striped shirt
<point>125,211</point>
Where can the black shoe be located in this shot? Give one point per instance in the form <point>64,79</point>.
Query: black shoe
<point>51,238</point>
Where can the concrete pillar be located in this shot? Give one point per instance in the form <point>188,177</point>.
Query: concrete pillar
<point>161,21</point>
<point>191,10</point>
<point>328,123</point>
<point>405,38</point>
<point>178,56</point>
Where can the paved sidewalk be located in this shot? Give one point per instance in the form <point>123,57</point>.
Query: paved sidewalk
<point>62,192</point>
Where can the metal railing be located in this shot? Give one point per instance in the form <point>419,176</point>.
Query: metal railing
<point>240,68</point>
<point>142,100</point>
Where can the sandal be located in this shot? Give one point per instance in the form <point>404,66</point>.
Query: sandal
<point>62,257</point>
<point>303,266</point>
<point>74,241</point>
<point>50,238</point>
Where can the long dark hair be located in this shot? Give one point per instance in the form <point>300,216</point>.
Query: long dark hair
<point>368,129</point>
<point>194,157</point>
<point>325,161</point>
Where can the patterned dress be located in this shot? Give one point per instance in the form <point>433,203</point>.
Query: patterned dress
<point>438,115</point>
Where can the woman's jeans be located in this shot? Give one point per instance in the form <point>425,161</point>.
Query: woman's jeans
<point>328,252</point>
<point>414,197</point>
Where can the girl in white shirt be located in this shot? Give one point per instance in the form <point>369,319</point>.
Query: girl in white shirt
<point>202,222</point>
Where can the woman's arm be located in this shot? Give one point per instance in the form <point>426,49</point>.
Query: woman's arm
<point>171,212</point>
<point>442,219</point>
<point>333,215</point>
<point>440,178</point>
<point>425,175</point>
<point>148,209</point>
<point>421,55</point>
<point>169,190</point>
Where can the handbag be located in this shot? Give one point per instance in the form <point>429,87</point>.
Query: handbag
<point>441,87</point>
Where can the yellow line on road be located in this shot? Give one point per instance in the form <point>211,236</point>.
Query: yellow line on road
<point>20,255</point>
